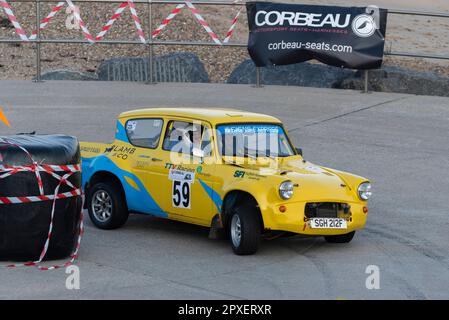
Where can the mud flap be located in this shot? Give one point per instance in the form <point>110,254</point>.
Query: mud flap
<point>217,231</point>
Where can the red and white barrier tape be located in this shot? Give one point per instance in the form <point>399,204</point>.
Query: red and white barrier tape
<point>129,3</point>
<point>111,21</point>
<point>65,195</point>
<point>42,167</point>
<point>200,19</point>
<point>12,18</point>
<point>117,14</point>
<point>83,26</point>
<point>135,17</point>
<point>50,169</point>
<point>21,32</point>
<point>47,19</point>
<point>33,165</point>
<point>203,22</point>
<point>232,28</point>
<point>167,20</point>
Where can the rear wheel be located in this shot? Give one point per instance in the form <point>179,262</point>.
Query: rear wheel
<point>343,238</point>
<point>107,205</point>
<point>244,230</point>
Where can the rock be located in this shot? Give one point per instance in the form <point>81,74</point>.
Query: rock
<point>387,79</point>
<point>173,67</point>
<point>64,74</point>
<point>301,74</point>
<point>399,80</point>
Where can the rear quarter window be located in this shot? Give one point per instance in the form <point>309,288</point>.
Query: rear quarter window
<point>144,133</point>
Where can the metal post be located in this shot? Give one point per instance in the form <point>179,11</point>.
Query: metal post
<point>258,78</point>
<point>38,44</point>
<point>365,87</point>
<point>150,79</point>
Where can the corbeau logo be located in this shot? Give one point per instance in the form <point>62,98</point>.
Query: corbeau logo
<point>316,20</point>
<point>364,25</point>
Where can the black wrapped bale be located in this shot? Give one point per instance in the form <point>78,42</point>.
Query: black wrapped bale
<point>24,226</point>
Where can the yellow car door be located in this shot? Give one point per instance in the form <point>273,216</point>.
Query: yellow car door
<point>145,134</point>
<point>178,173</point>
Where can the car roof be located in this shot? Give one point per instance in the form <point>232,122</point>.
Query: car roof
<point>212,115</point>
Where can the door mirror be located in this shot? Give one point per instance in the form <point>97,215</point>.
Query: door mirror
<point>299,151</point>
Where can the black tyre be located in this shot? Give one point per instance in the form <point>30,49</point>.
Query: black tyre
<point>244,230</point>
<point>107,207</point>
<point>344,238</point>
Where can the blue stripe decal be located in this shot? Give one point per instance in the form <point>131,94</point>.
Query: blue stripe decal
<point>137,200</point>
<point>212,194</point>
<point>121,133</point>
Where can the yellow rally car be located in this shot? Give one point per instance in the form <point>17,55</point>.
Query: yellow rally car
<point>233,171</point>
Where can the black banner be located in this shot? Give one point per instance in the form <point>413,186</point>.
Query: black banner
<point>228,309</point>
<point>348,37</point>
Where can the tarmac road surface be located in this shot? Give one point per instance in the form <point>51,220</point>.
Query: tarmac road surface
<point>399,141</point>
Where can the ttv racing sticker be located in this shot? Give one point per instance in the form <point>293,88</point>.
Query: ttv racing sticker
<point>181,175</point>
<point>181,188</point>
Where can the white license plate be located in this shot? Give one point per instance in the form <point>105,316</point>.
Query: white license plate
<point>328,223</point>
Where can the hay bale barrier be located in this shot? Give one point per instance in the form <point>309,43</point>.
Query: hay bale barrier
<point>24,226</point>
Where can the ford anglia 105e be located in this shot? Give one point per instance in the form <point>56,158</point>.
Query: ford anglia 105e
<point>235,172</point>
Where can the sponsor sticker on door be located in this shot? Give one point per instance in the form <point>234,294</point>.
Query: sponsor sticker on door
<point>181,175</point>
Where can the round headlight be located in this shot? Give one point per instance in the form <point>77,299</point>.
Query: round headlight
<point>365,191</point>
<point>286,190</point>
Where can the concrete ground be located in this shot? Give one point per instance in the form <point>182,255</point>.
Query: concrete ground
<point>399,141</point>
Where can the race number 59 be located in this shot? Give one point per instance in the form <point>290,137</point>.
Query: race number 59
<point>181,194</point>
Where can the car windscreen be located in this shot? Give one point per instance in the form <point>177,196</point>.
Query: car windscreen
<point>253,140</point>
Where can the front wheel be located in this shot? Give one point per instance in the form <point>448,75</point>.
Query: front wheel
<point>343,238</point>
<point>244,231</point>
<point>107,206</point>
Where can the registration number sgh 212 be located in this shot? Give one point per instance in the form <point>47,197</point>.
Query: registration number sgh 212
<point>328,223</point>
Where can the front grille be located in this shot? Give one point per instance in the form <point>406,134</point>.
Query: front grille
<point>325,209</point>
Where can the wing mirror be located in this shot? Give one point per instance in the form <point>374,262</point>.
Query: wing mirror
<point>299,151</point>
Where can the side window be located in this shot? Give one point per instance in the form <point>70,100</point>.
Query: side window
<point>144,133</point>
<point>182,136</point>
